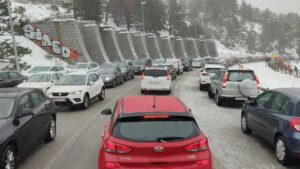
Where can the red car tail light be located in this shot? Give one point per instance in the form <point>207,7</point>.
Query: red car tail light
<point>143,76</point>
<point>224,83</point>
<point>198,146</point>
<point>257,81</point>
<point>295,124</point>
<point>111,165</point>
<point>116,148</point>
<point>168,77</point>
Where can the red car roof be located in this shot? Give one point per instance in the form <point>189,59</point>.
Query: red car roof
<point>152,104</point>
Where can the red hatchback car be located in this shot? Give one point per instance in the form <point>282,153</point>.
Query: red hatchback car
<point>153,132</point>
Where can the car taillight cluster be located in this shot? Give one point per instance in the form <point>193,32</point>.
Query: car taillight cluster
<point>225,79</point>
<point>143,76</point>
<point>168,77</point>
<point>116,148</point>
<point>257,81</point>
<point>295,124</point>
<point>198,146</point>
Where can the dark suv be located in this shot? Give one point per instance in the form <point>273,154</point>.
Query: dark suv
<point>27,116</point>
<point>275,116</point>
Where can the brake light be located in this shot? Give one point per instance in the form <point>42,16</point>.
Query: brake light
<point>156,117</point>
<point>224,83</point>
<point>257,81</point>
<point>198,146</point>
<point>295,124</point>
<point>168,77</point>
<point>111,165</point>
<point>116,148</point>
<point>143,76</point>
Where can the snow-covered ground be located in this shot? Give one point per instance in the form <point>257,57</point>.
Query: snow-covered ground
<point>270,78</point>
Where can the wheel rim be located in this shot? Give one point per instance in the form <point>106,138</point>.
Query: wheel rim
<point>280,150</point>
<point>52,128</point>
<point>244,123</point>
<point>10,159</point>
<point>86,101</point>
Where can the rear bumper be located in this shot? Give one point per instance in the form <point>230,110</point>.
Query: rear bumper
<point>156,88</point>
<point>294,144</point>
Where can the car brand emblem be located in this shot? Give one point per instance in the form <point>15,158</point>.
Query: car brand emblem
<point>159,149</point>
<point>59,94</point>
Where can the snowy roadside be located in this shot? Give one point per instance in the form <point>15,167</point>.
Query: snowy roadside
<point>270,78</point>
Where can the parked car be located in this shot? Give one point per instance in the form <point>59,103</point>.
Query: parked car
<point>11,78</point>
<point>157,62</point>
<point>275,116</point>
<point>177,64</point>
<point>206,73</point>
<point>111,76</point>
<point>77,89</point>
<point>133,135</point>
<point>198,63</point>
<point>139,65</point>
<point>171,68</point>
<point>126,69</point>
<point>87,67</point>
<point>156,79</point>
<point>46,68</point>
<point>27,117</point>
<point>187,64</point>
<point>43,81</point>
<point>236,85</point>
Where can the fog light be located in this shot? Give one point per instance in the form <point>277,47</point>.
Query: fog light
<point>77,100</point>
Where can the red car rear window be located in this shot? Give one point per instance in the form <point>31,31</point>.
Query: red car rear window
<point>144,129</point>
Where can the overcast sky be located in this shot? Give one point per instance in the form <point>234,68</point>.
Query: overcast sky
<point>279,6</point>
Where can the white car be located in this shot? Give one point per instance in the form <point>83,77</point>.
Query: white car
<point>197,63</point>
<point>206,73</point>
<point>43,81</point>
<point>45,68</point>
<point>156,79</point>
<point>77,89</point>
<point>177,64</point>
<point>86,67</point>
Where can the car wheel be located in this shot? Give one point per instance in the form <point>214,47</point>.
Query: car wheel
<point>210,94</point>
<point>51,131</point>
<point>143,91</point>
<point>201,87</point>
<point>8,159</point>
<point>86,101</point>
<point>244,124</point>
<point>219,99</point>
<point>114,83</point>
<point>102,94</point>
<point>282,152</point>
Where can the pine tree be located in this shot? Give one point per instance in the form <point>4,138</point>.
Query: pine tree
<point>175,18</point>
<point>88,9</point>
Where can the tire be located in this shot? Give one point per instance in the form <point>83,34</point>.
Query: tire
<point>169,91</point>
<point>102,94</point>
<point>201,87</point>
<point>8,158</point>
<point>281,151</point>
<point>142,91</point>
<point>85,103</point>
<point>122,81</point>
<point>51,130</point>
<point>244,124</point>
<point>210,94</point>
<point>115,83</point>
<point>219,99</point>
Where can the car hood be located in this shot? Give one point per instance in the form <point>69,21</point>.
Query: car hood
<point>106,75</point>
<point>36,85</point>
<point>66,88</point>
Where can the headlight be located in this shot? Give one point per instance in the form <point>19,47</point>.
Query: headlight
<point>107,78</point>
<point>123,71</point>
<point>76,93</point>
<point>48,93</point>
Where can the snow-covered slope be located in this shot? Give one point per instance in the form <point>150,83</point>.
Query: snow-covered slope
<point>272,79</point>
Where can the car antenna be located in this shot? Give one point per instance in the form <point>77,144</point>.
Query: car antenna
<point>154,102</point>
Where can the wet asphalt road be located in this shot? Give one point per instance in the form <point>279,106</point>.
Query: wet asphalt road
<point>79,132</point>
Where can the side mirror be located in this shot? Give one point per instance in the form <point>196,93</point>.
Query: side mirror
<point>106,112</point>
<point>91,83</point>
<point>25,112</point>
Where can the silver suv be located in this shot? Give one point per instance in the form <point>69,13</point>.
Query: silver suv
<point>235,85</point>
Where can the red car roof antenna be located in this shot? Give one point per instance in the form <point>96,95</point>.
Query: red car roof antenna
<point>154,104</point>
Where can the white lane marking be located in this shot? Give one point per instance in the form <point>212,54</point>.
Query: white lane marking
<point>66,147</point>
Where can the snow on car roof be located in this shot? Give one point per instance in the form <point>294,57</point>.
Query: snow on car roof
<point>213,66</point>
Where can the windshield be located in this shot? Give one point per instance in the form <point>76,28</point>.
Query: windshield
<point>138,62</point>
<point>106,71</point>
<point>106,65</point>
<point>40,78</point>
<point>120,64</point>
<point>155,72</point>
<point>159,61</point>
<point>81,66</point>
<point>212,70</point>
<point>72,80</point>
<point>236,76</point>
<point>40,69</point>
<point>6,105</point>
<point>155,130</point>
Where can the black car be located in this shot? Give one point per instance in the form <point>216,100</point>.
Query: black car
<point>27,116</point>
<point>126,68</point>
<point>11,79</point>
<point>139,65</point>
<point>111,75</point>
<point>187,64</point>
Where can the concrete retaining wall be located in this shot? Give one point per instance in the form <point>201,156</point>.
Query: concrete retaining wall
<point>140,46</point>
<point>126,46</point>
<point>111,45</point>
<point>153,47</point>
<point>166,48</point>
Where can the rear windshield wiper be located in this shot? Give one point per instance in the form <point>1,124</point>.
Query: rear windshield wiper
<point>165,139</point>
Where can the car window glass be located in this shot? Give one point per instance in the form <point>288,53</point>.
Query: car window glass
<point>263,99</point>
<point>53,69</point>
<point>24,103</point>
<point>90,79</point>
<point>3,76</point>
<point>279,103</point>
<point>130,64</point>
<point>95,77</point>
<point>55,77</point>
<point>36,99</point>
<point>13,75</point>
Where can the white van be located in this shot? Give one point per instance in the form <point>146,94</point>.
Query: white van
<point>177,64</point>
